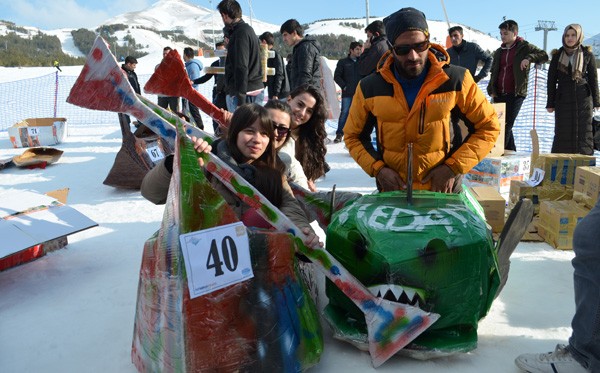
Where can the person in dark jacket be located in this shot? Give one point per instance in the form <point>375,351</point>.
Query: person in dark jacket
<point>573,94</point>
<point>375,47</point>
<point>468,54</point>
<point>278,84</point>
<point>218,92</point>
<point>243,72</point>
<point>128,67</point>
<point>510,73</point>
<point>347,76</point>
<point>305,55</point>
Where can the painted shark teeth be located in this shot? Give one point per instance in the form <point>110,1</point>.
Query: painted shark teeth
<point>399,294</point>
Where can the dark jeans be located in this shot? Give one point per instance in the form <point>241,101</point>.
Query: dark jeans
<point>194,112</point>
<point>584,343</point>
<point>169,102</point>
<point>346,102</point>
<point>513,106</point>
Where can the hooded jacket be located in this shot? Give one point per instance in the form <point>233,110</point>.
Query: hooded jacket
<point>305,63</point>
<point>521,77</point>
<point>380,103</point>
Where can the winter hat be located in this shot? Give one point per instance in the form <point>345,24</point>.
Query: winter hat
<point>406,19</point>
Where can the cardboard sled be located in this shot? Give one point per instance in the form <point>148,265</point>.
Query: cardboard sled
<point>37,132</point>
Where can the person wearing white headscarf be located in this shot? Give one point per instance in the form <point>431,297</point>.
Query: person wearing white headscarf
<point>573,94</point>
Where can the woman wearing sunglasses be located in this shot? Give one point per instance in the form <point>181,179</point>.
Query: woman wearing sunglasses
<point>281,116</point>
<point>408,101</point>
<point>249,149</point>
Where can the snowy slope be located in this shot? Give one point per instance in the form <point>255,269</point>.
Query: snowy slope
<point>438,30</point>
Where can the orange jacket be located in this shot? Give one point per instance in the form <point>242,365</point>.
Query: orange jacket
<point>379,103</point>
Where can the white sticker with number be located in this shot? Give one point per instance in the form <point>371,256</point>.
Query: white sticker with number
<point>216,257</point>
<point>155,153</point>
<point>33,131</point>
<point>537,177</point>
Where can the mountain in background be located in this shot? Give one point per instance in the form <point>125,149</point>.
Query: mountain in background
<point>180,24</point>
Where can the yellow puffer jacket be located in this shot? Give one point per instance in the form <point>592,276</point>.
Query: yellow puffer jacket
<point>379,103</point>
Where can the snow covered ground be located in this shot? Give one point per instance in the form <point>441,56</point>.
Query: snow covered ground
<point>73,310</point>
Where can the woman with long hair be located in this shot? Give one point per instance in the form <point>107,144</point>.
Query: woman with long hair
<point>573,93</point>
<point>249,149</point>
<point>308,131</point>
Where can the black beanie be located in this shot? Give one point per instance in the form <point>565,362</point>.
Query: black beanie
<point>406,19</point>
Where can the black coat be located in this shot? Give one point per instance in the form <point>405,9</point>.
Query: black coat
<point>346,75</point>
<point>367,62</point>
<point>573,104</point>
<point>243,72</point>
<point>133,79</point>
<point>306,67</point>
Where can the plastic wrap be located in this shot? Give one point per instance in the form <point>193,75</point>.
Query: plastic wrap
<point>435,253</point>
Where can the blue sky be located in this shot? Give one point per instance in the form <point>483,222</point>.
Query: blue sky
<point>475,13</point>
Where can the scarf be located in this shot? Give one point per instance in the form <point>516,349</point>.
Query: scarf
<point>572,55</point>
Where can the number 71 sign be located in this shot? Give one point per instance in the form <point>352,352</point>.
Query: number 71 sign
<point>216,257</point>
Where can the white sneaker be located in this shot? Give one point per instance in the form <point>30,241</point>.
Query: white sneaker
<point>559,361</point>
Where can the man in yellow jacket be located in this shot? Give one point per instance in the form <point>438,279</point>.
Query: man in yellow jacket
<point>408,100</point>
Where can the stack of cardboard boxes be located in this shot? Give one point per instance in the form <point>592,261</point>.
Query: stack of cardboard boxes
<point>556,206</point>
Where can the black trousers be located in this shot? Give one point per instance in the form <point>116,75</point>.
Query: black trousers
<point>513,106</point>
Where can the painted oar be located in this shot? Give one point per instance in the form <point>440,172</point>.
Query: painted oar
<point>171,79</point>
<point>391,326</point>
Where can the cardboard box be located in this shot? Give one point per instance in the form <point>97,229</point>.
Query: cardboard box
<point>498,172</point>
<point>587,185</point>
<point>560,168</point>
<point>498,149</point>
<point>558,220</point>
<point>37,132</point>
<point>33,224</point>
<point>521,189</point>
<point>493,206</point>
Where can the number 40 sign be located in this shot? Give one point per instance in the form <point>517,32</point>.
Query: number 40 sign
<point>216,257</point>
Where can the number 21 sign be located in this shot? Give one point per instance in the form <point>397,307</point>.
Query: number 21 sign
<point>216,257</point>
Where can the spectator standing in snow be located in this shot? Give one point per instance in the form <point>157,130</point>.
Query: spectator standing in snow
<point>510,74</point>
<point>193,68</point>
<point>573,94</point>
<point>278,84</point>
<point>305,55</point>
<point>170,102</point>
<point>468,55</point>
<point>128,67</point>
<point>218,92</point>
<point>243,71</point>
<point>375,47</point>
<point>347,75</point>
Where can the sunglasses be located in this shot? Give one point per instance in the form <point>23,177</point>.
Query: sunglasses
<point>402,50</point>
<point>281,129</point>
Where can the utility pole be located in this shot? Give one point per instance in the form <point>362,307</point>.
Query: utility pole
<point>545,26</point>
<point>367,4</point>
